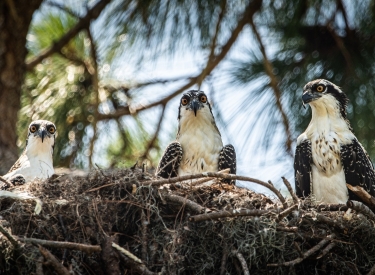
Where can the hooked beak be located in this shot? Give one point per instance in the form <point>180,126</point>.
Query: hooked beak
<point>195,106</point>
<point>308,96</point>
<point>42,132</point>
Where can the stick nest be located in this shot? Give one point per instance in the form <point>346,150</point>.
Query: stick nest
<point>157,225</point>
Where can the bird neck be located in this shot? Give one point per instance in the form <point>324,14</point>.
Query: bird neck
<point>41,150</point>
<point>203,122</point>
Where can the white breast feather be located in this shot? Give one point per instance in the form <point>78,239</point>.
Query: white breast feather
<point>327,131</point>
<point>200,141</point>
<point>37,162</point>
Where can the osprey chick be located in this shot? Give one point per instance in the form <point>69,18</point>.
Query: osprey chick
<point>198,147</point>
<point>328,155</point>
<point>36,159</point>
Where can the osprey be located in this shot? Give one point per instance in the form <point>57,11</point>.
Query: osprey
<point>36,159</point>
<point>198,147</point>
<point>328,155</point>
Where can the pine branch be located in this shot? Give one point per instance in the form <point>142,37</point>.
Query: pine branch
<point>82,24</point>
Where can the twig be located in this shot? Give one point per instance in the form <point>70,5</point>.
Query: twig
<point>286,212</point>
<point>274,84</point>
<point>242,260</point>
<point>290,189</point>
<point>252,8</point>
<point>186,202</point>
<point>293,229</point>
<point>331,207</point>
<point>363,195</point>
<point>361,208</point>
<point>52,261</point>
<point>139,268</point>
<point>372,271</point>
<point>9,236</point>
<point>218,175</point>
<point>66,238</point>
<point>326,250</point>
<point>307,254</point>
<point>68,245</point>
<point>144,236</point>
<point>9,184</point>
<point>39,266</point>
<point>300,253</point>
<point>229,213</point>
<point>333,223</point>
<point>82,24</point>
<point>127,253</point>
<point>224,258</point>
<point>110,256</point>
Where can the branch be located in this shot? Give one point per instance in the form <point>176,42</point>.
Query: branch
<point>242,260</point>
<point>307,254</point>
<point>8,183</point>
<point>224,258</point>
<point>286,212</point>
<point>326,250</point>
<point>363,195</point>
<point>68,245</point>
<point>361,208</point>
<point>290,189</point>
<point>82,24</point>
<point>52,261</point>
<point>253,7</point>
<point>331,207</point>
<point>230,213</point>
<point>10,237</point>
<point>186,202</point>
<point>218,175</point>
<point>274,84</point>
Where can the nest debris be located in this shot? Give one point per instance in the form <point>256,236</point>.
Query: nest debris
<point>127,222</point>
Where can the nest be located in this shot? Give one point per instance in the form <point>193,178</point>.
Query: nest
<point>127,222</point>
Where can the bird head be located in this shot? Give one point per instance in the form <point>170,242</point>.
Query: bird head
<point>41,136</point>
<point>193,103</point>
<point>321,93</point>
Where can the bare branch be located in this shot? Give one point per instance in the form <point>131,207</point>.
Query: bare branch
<point>252,8</point>
<point>230,213</point>
<point>186,202</point>
<point>326,250</point>
<point>307,254</point>
<point>52,261</point>
<point>363,195</point>
<point>290,189</point>
<point>274,84</point>
<point>242,260</point>
<point>361,208</point>
<point>82,24</point>
<point>286,212</point>
<point>68,245</point>
<point>9,236</point>
<point>222,176</point>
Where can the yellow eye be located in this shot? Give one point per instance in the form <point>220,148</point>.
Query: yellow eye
<point>184,101</point>
<point>32,128</point>
<point>203,99</point>
<point>51,130</point>
<point>320,88</point>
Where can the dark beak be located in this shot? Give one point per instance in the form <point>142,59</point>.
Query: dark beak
<point>308,96</point>
<point>195,106</point>
<point>42,133</point>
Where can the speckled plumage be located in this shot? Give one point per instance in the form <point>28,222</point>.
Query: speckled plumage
<point>328,155</point>
<point>198,147</point>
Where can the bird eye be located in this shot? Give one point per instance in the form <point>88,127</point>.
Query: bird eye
<point>51,130</point>
<point>203,99</point>
<point>184,101</point>
<point>32,128</point>
<point>320,88</point>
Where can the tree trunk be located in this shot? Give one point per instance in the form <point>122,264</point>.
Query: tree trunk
<point>15,18</point>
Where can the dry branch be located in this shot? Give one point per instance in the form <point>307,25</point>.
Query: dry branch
<point>82,24</point>
<point>290,189</point>
<point>52,261</point>
<point>307,254</point>
<point>363,195</point>
<point>39,266</point>
<point>331,207</point>
<point>218,175</point>
<point>361,208</point>
<point>186,202</point>
<point>286,212</point>
<point>230,213</point>
<point>326,250</point>
<point>9,236</point>
<point>110,256</point>
<point>242,260</point>
<point>68,245</point>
